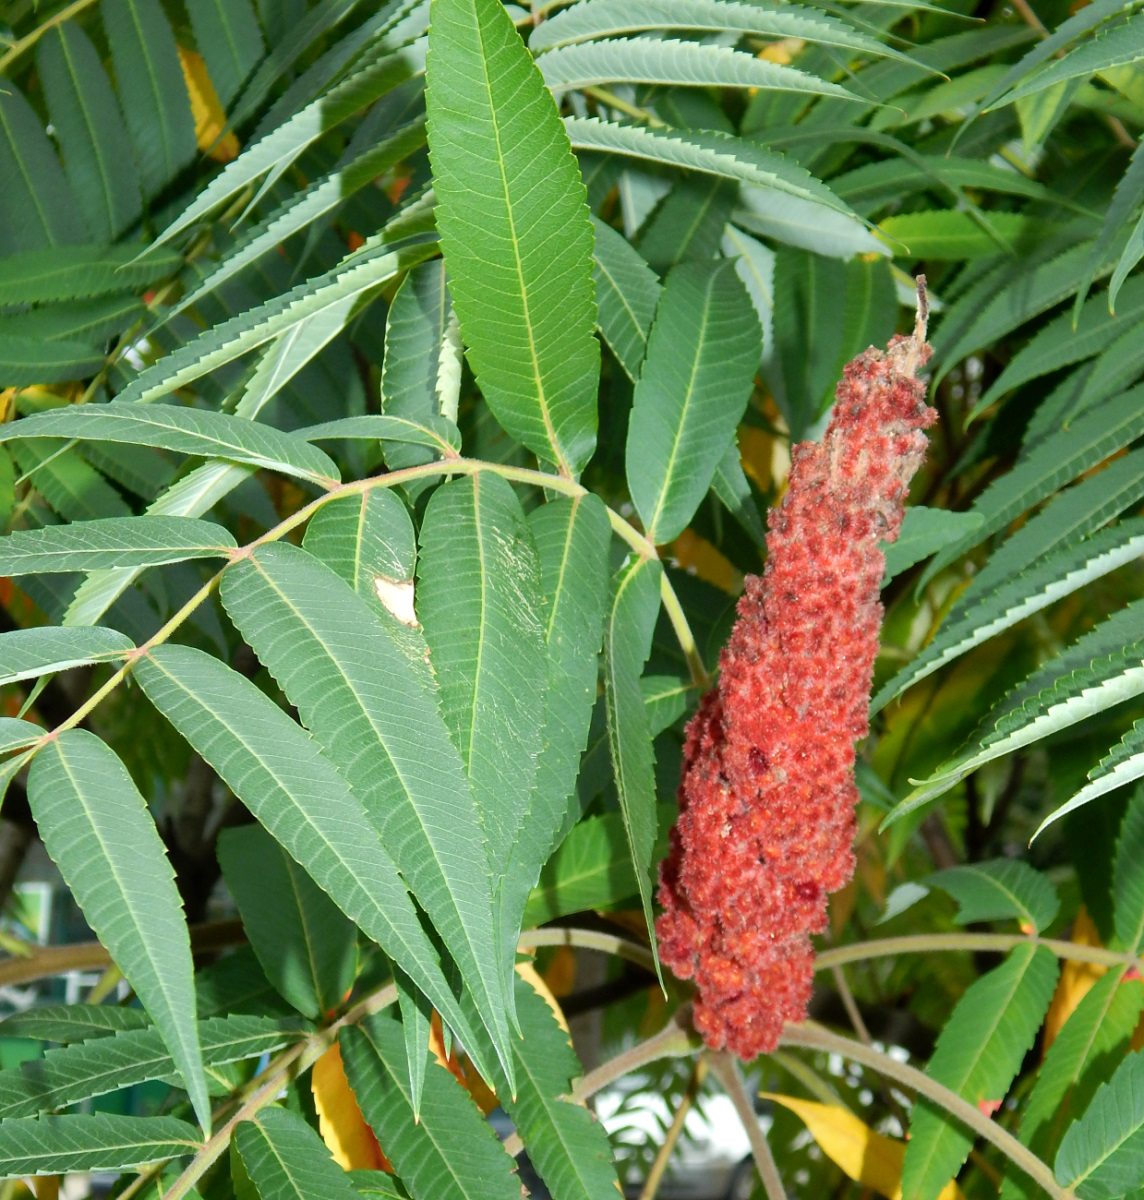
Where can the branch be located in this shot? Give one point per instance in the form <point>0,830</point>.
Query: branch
<point>726,1070</point>
<point>587,939</point>
<point>813,1037</point>
<point>674,1040</point>
<point>928,943</point>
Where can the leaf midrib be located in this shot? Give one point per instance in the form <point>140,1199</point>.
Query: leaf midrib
<point>677,441</point>
<point>541,398</point>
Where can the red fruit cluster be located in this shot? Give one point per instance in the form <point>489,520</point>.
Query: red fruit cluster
<point>766,806</point>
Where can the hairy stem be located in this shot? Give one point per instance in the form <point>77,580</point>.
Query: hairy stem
<point>929,943</point>
<point>449,466</point>
<point>725,1068</point>
<point>674,1040</point>
<point>588,939</point>
<point>813,1037</point>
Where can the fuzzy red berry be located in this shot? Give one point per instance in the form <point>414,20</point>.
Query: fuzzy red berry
<point>766,804</point>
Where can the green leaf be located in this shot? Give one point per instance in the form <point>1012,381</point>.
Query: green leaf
<point>688,223</point>
<point>977,1055</point>
<point>186,430</point>
<point>1071,697</point>
<point>797,222</point>
<point>1058,344</point>
<point>71,272</point>
<point>479,600</point>
<point>280,147</point>
<point>695,383</point>
<point>592,869</point>
<point>302,209</point>
<point>1116,43</point>
<point>627,293</point>
<point>572,536</point>
<point>989,311</point>
<point>88,321</point>
<point>421,372</point>
<point>1096,1034</point>
<point>949,234</point>
<point>369,541</point>
<point>112,542</point>
<point>1078,23</point>
<point>416,1024</point>
<point>97,830</point>
<point>306,946</point>
<point>357,694</point>
<point>696,150</point>
<point>627,644</point>
<point>669,61</point>
<point>439,433</point>
<point>37,208</point>
<point>89,125</point>
<point>55,1145</point>
<point>30,360</point>
<point>73,1022</point>
<point>1128,877</point>
<point>287,1160</point>
<point>296,794</point>
<point>15,733</point>
<point>1060,574</point>
<point>377,1183</point>
<point>71,487</point>
<point>604,18</point>
<point>1102,1154</point>
<point>452,1152</point>
<point>228,38</point>
<point>357,275</point>
<point>108,1063</point>
<point>193,495</point>
<point>1122,765</point>
<point>515,231</point>
<point>44,649</point>
<point>998,890</point>
<point>731,486</point>
<point>924,531</point>
<point>149,77</point>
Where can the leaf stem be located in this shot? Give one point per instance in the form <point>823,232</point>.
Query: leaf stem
<point>28,41</point>
<point>726,1070</point>
<point>810,1036</point>
<point>287,1066</point>
<point>674,1040</point>
<point>928,943</point>
<point>588,939</point>
<point>446,466</point>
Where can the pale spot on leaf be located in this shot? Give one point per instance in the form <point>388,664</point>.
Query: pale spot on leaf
<point>397,596</point>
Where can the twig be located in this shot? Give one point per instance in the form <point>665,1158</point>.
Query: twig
<point>674,1040</point>
<point>726,1070</point>
<point>588,939</point>
<point>929,943</point>
<point>849,1003</point>
<point>651,1184</point>
<point>26,43</point>
<point>814,1037</point>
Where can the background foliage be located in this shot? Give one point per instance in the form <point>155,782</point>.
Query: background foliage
<point>389,412</point>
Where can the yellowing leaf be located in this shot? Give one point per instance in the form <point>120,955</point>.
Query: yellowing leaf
<point>561,973</point>
<point>529,974</point>
<point>344,1129</point>
<point>1075,981</point>
<point>696,555</point>
<point>210,119</point>
<point>869,1158</point>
